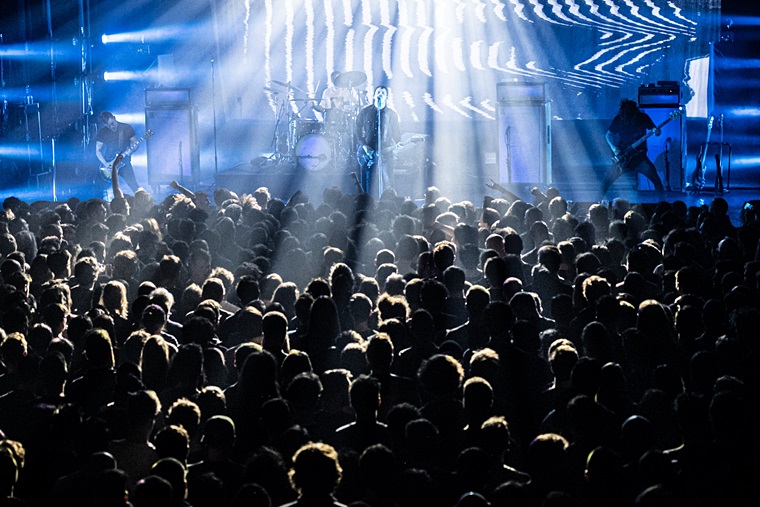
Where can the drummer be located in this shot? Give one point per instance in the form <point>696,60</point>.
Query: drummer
<point>335,97</point>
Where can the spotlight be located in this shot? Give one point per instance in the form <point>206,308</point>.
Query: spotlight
<point>104,39</point>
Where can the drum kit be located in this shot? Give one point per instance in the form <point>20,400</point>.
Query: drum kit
<point>315,136</point>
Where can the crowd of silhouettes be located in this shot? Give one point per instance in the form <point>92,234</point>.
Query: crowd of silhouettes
<point>378,352</point>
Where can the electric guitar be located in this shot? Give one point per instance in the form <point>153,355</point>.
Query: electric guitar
<point>369,158</point>
<point>698,176</point>
<point>105,171</point>
<point>622,159</point>
<point>719,160</point>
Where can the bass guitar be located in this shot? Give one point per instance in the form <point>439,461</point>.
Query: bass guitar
<point>106,171</point>
<point>622,159</point>
<point>698,176</point>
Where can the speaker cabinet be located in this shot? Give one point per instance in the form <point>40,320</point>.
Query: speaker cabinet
<point>667,151</point>
<point>173,152</point>
<point>524,140</point>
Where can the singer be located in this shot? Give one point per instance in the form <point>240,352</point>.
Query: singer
<point>377,131</point>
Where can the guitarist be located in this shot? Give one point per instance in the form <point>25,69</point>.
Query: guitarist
<point>370,142</point>
<point>112,140</point>
<point>626,128</point>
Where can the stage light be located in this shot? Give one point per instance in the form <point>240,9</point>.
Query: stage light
<point>133,119</point>
<point>17,151</point>
<point>128,75</point>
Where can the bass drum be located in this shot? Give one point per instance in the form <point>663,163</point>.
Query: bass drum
<point>313,152</point>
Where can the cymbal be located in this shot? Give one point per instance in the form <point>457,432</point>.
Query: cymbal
<point>350,79</point>
<point>287,85</point>
<point>271,90</point>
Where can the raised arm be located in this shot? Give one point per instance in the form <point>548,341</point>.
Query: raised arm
<point>115,176</point>
<point>182,190</point>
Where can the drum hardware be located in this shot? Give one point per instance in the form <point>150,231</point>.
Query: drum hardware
<point>313,152</point>
<point>288,85</point>
<point>309,143</point>
<point>350,79</point>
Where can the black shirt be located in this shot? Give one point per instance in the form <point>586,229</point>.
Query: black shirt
<point>115,142</point>
<point>632,132</point>
<point>366,127</point>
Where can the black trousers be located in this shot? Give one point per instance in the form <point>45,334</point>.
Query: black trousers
<point>127,173</point>
<point>640,165</point>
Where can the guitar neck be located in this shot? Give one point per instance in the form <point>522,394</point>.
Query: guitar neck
<point>707,141</point>
<point>650,133</point>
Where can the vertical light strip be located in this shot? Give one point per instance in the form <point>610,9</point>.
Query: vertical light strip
<point>498,9</point>
<point>388,31</point>
<point>289,30</point>
<point>348,20</point>
<point>369,54</point>
<point>458,53</point>
<point>476,55</point>
<point>348,13</point>
<point>247,17</point>
<point>309,7</point>
<point>423,49</point>
<point>268,53</point>
<point>330,37</point>
<point>480,8</point>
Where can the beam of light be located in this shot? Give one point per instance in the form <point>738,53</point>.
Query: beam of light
<point>16,151</point>
<point>166,33</point>
<point>744,112</point>
<point>751,162</point>
<point>39,52</point>
<point>129,75</point>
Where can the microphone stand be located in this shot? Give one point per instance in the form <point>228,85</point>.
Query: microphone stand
<point>379,168</point>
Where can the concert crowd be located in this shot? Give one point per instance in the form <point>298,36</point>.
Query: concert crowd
<point>344,350</point>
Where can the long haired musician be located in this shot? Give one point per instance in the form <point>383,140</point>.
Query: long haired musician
<point>626,129</point>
